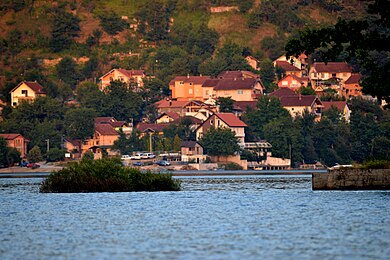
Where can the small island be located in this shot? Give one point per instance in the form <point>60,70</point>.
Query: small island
<point>106,175</point>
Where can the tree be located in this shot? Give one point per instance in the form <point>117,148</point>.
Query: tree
<point>3,151</point>
<point>267,109</point>
<point>220,142</point>
<point>56,154</point>
<point>80,123</point>
<point>284,135</point>
<point>67,71</point>
<point>122,144</point>
<point>35,155</point>
<point>121,102</point>
<point>267,74</point>
<point>153,20</point>
<point>65,26</point>
<point>111,23</point>
<point>225,104</point>
<point>89,96</point>
<point>177,143</point>
<point>306,91</point>
<point>366,40</point>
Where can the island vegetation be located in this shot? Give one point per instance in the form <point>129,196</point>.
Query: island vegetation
<point>106,175</point>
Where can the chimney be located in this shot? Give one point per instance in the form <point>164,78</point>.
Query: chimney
<point>188,76</point>
<point>300,96</point>
<point>235,78</point>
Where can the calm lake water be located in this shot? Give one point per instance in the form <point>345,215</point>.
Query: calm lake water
<point>254,217</point>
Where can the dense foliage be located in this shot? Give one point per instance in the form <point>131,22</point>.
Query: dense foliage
<point>106,175</point>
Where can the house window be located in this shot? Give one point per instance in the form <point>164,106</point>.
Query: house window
<point>14,103</point>
<point>284,83</point>
<point>314,75</point>
<point>181,82</point>
<point>207,92</point>
<point>334,75</point>
<point>190,83</point>
<point>190,91</point>
<point>240,91</point>
<point>25,92</point>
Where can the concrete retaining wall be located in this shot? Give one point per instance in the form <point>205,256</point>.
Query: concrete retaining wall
<point>352,179</point>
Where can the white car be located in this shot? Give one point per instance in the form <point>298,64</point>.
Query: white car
<point>148,156</point>
<point>126,157</point>
<point>137,156</point>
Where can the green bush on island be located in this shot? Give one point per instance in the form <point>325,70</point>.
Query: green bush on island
<point>106,175</point>
<point>376,164</point>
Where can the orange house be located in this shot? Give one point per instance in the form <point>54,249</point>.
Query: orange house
<point>292,82</point>
<point>352,86</point>
<point>239,89</point>
<point>187,87</point>
<point>18,142</point>
<point>103,139</point>
<point>223,120</point>
<point>133,78</point>
<point>289,68</point>
<point>329,75</point>
<point>26,91</point>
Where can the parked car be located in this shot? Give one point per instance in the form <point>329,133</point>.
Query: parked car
<point>125,157</point>
<point>138,164</point>
<point>137,156</point>
<point>163,163</point>
<point>148,156</point>
<point>33,165</point>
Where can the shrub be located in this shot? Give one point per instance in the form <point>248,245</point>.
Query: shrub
<point>376,164</point>
<point>106,175</point>
<point>232,166</point>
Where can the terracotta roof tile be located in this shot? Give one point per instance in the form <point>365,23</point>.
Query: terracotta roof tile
<point>287,66</point>
<point>231,74</point>
<point>297,101</point>
<point>233,84</point>
<point>340,105</point>
<point>354,79</point>
<point>189,144</point>
<point>104,120</point>
<point>198,80</point>
<point>243,105</point>
<point>210,83</point>
<point>171,114</point>
<point>35,86</point>
<point>105,129</point>
<point>143,127</point>
<point>131,73</point>
<point>336,67</point>
<point>10,136</point>
<point>282,92</point>
<point>231,120</point>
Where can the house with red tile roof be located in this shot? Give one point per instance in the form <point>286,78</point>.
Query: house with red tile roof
<point>236,74</point>
<point>341,106</point>
<point>299,62</point>
<point>239,89</point>
<point>26,91</point>
<point>293,82</point>
<point>18,142</point>
<point>289,69</point>
<point>192,151</point>
<point>158,129</point>
<point>352,87</point>
<point>187,87</point>
<point>167,117</point>
<point>331,75</point>
<point>297,104</point>
<point>193,108</point>
<point>103,138</point>
<point>281,92</point>
<point>118,125</point>
<point>221,120</point>
<point>134,78</point>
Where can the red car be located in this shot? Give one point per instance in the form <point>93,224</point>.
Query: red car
<point>33,165</point>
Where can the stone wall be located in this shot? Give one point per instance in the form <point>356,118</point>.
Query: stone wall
<point>352,179</point>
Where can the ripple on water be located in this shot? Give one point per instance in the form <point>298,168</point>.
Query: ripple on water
<point>212,218</point>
